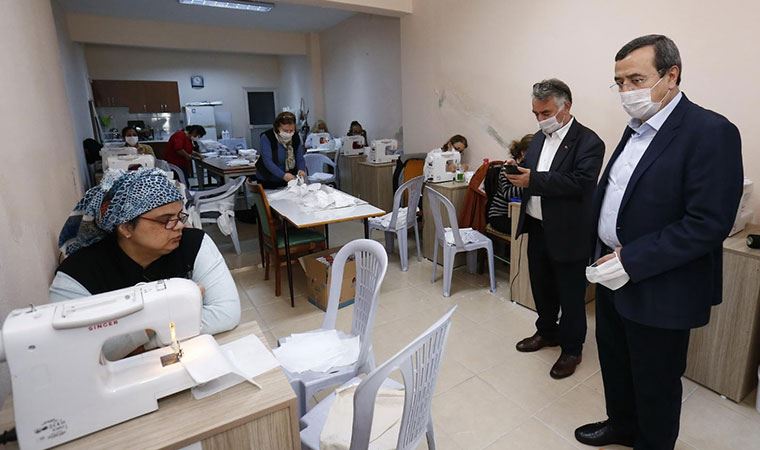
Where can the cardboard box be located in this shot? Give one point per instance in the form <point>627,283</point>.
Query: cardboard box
<point>318,269</point>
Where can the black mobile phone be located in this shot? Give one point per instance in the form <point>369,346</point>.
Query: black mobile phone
<point>512,169</point>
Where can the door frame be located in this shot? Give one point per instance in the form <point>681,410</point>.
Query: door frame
<point>259,128</point>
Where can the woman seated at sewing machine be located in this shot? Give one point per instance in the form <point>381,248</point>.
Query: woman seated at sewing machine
<point>319,135</point>
<point>131,139</point>
<point>455,143</point>
<point>131,229</point>
<point>356,129</point>
<point>281,158</point>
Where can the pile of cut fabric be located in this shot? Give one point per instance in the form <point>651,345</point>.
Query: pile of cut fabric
<point>317,351</point>
<point>315,196</point>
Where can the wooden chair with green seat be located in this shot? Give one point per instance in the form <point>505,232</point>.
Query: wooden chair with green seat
<point>272,242</point>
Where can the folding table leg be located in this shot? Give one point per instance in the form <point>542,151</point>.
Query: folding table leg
<point>289,265</point>
<point>327,235</point>
<point>366,228</point>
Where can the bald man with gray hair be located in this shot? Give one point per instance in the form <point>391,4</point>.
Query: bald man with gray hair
<point>559,173</point>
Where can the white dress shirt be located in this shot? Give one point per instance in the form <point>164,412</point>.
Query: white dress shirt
<point>548,152</point>
<point>622,170</point>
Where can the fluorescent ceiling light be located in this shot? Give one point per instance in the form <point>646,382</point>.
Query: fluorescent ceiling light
<point>243,5</point>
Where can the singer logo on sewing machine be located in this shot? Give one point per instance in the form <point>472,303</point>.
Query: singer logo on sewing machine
<point>98,326</point>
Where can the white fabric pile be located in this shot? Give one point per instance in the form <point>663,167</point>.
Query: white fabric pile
<point>386,420</point>
<point>467,234</point>
<point>385,221</point>
<point>315,196</point>
<point>318,351</point>
<point>237,162</point>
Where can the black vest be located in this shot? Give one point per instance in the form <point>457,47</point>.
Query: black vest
<point>261,169</point>
<point>104,267</point>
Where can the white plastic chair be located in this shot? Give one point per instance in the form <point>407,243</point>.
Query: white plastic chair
<point>371,264</point>
<point>419,364</point>
<point>215,203</point>
<point>315,166</point>
<point>450,249</point>
<point>414,189</point>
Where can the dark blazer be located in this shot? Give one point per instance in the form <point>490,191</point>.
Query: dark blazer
<point>677,209</point>
<point>566,191</point>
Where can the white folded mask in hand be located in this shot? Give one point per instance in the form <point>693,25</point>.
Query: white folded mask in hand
<point>610,274</point>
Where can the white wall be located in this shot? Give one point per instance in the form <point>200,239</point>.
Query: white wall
<point>470,70</point>
<point>295,83</point>
<point>362,75</point>
<point>77,82</point>
<point>226,75</point>
<point>40,182</point>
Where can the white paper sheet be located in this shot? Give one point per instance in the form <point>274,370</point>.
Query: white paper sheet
<point>247,358</point>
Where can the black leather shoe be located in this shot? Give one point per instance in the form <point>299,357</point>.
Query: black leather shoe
<point>565,366</point>
<point>602,433</point>
<point>535,343</point>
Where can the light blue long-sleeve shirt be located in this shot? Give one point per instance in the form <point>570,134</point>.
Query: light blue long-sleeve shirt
<point>221,302</point>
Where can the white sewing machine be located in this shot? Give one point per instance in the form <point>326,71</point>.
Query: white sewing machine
<point>63,387</point>
<point>353,145</point>
<point>383,151</point>
<point>436,164</point>
<point>130,162</point>
<point>107,152</point>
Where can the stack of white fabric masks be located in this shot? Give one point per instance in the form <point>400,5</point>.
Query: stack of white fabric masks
<point>317,351</point>
<point>315,196</point>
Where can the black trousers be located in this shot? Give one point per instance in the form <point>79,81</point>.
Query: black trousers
<point>641,368</point>
<point>557,286</point>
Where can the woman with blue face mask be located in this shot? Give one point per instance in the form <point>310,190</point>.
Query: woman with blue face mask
<point>282,153</point>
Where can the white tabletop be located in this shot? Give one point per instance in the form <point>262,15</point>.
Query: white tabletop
<point>301,217</point>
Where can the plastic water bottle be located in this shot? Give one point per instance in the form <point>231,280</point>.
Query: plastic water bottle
<point>459,173</point>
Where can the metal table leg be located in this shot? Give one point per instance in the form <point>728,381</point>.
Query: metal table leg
<point>366,228</point>
<point>199,175</point>
<point>289,265</point>
<point>327,236</point>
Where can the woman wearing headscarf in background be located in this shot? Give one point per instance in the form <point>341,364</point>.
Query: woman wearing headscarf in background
<point>130,229</point>
<point>281,153</point>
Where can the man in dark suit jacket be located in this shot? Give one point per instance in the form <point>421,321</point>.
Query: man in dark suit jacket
<point>559,175</point>
<point>665,203</point>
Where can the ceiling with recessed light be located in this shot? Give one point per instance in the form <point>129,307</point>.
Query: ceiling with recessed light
<point>284,17</point>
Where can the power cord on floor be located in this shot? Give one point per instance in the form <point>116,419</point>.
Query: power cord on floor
<point>517,273</point>
<point>8,436</point>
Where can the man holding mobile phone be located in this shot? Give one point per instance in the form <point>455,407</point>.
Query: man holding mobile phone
<point>559,175</point>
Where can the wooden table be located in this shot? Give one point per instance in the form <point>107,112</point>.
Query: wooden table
<point>455,191</point>
<point>218,168</point>
<point>724,354</point>
<point>374,183</point>
<point>292,211</point>
<point>240,417</point>
<point>519,274</point>
<point>348,169</point>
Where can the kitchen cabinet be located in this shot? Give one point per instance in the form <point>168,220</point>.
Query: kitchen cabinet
<point>138,96</point>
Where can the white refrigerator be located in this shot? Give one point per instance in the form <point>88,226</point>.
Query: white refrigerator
<point>203,115</point>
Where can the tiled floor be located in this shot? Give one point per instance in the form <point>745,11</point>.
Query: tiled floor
<point>488,395</point>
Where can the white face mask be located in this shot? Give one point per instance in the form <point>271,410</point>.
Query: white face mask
<point>285,135</point>
<point>638,103</point>
<point>195,138</point>
<point>551,124</point>
<point>610,274</point>
<point>131,140</point>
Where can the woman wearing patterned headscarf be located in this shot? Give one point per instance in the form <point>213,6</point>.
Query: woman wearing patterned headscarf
<point>281,153</point>
<point>130,229</point>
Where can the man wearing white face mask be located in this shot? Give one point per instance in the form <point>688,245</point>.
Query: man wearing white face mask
<point>559,174</point>
<point>663,207</point>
